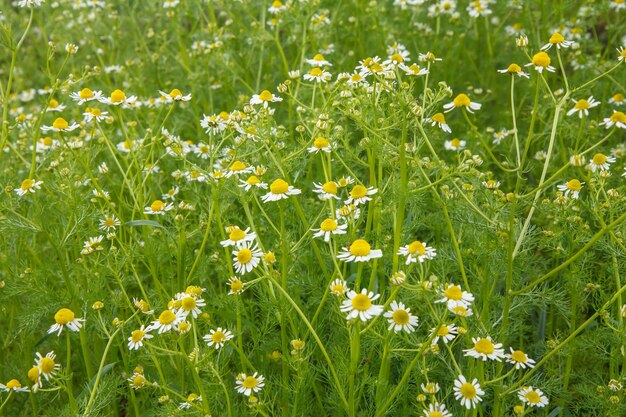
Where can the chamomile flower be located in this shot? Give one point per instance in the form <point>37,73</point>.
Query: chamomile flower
<point>13,385</point>
<point>218,337</point>
<point>264,98</point>
<point>359,251</point>
<point>514,69</point>
<point>413,69</point>
<point>618,98</point>
<point>142,306</point>
<point>318,75</point>
<point>236,286</point>
<point>618,119</point>
<point>431,388</point>
<point>519,359</point>
<point>167,321</point>
<point>189,304</point>
<point>65,318</point>
<point>582,106</point>
<point>137,380</point>
<point>440,120</point>
<point>28,186</point>
<point>276,7</point>
<point>60,125</point>
<point>359,305</point>
<point>600,162</point>
<point>279,190</point>
<point>360,194</point>
<point>117,98</point>
<point>318,61</point>
<point>400,318</point>
<point>462,101</point>
<point>454,145</point>
<point>541,61</point>
<point>484,349</point>
<point>622,54</point>
<point>135,341</point>
<point>158,207</point>
<point>85,95</point>
<point>460,310</point>
<point>571,188</point>
<point>453,295</point>
<point>534,397</point>
<point>252,181</point>
<point>236,236</point>
<point>320,144</point>
<point>54,106</point>
<point>247,384</point>
<point>94,113</point>
<point>417,251</point>
<point>93,244</point>
<point>30,3</point>
<point>170,194</point>
<point>469,393</point>
<point>437,410</point>
<point>109,223</point>
<point>174,95</point>
<point>339,287</point>
<point>446,332</point>
<point>329,227</point>
<point>326,191</point>
<point>558,40</point>
<point>47,365</point>
<point>246,258</point>
<point>128,145</point>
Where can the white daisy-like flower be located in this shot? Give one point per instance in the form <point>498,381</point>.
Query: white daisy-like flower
<point>93,244</point>
<point>460,310</point>
<point>135,341</point>
<point>167,321</point>
<point>541,61</point>
<point>348,212</point>
<point>484,349</point>
<point>318,75</point>
<point>359,251</point>
<point>400,318</point>
<point>117,98</point>
<point>534,397</point>
<point>170,194</point>
<point>430,388</point>
<point>318,61</point>
<point>128,145</point>
<point>440,120</point>
<point>446,332</point>
<point>601,162</point>
<point>454,145</point>
<point>218,337</point>
<point>247,384</point>
<point>276,7</point>
<point>47,365</point>
<point>329,227</point>
<point>264,98</point>
<point>514,69</point>
<point>326,191</point>
<point>158,207</point>
<point>14,384</point>
<point>339,287</point>
<point>453,295</point>
<point>94,113</point>
<point>30,3</point>
<point>252,181</point>
<point>279,190</point>
<point>519,359</point>
<point>359,305</point>
<point>174,95</point>
<point>189,303</point>
<point>29,185</point>
<point>618,119</point>
<point>320,144</point>
<point>236,236</point>
<point>622,54</point>
<point>582,106</point>
<point>109,223</point>
<point>413,69</point>
<point>246,257</point>
<point>462,101</point>
<point>55,106</point>
<point>417,251</point>
<point>558,40</point>
<point>360,194</point>
<point>236,286</point>
<point>469,393</point>
<point>215,123</point>
<point>437,410</point>
<point>65,318</point>
<point>85,95</point>
<point>60,125</point>
<point>571,188</point>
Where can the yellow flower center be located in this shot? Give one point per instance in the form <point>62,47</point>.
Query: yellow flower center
<point>279,187</point>
<point>361,302</point>
<point>269,258</point>
<point>175,93</point>
<point>265,95</point>
<point>356,78</point>
<point>167,317</point>
<point>188,303</point>
<point>330,187</point>
<point>484,346</point>
<point>236,234</point>
<point>320,143</point>
<point>519,356</point>
<point>14,383</point>
<point>53,104</point>
<point>250,382</point>
<point>316,72</point>
<point>618,116</point>
<point>328,225</point>
<point>358,191</point>
<point>137,335</point>
<point>253,180</point>
<point>455,143</point>
<point>556,38</point>
<point>397,58</point>
<point>218,337</point>
<point>33,373</point>
<point>85,93</point>
<point>468,390</point>
<point>574,185</point>
<point>95,112</point>
<point>623,53</point>
<point>338,289</point>
<point>27,184</point>
<point>435,414</point>
<point>236,285</point>
<point>118,96</point>
<point>60,123</point>
<point>460,311</point>
<point>443,331</point>
<point>453,292</point>
<point>237,166</point>
<point>619,97</point>
<point>318,57</point>
<point>417,248</point>
<point>46,365</point>
<point>514,69</point>
<point>64,316</point>
<point>47,141</point>
<point>400,317</point>
<point>360,248</point>
<point>462,100</point>
<point>139,380</point>
<point>157,206</point>
<point>532,397</point>
<point>599,159</point>
<point>439,118</point>
<point>244,256</point>
<point>582,104</point>
<point>541,59</point>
